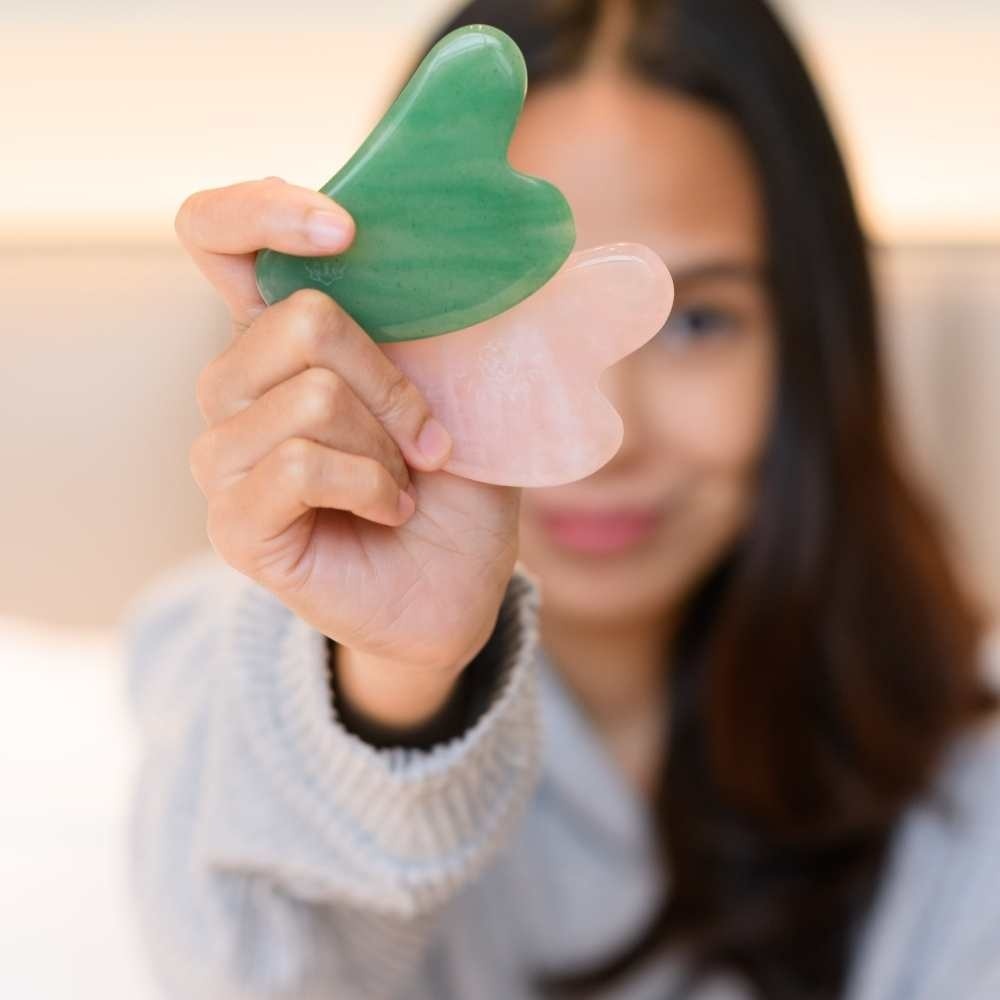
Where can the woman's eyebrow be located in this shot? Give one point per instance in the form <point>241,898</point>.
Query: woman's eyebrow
<point>711,269</point>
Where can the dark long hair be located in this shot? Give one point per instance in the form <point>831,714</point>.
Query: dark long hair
<point>827,661</point>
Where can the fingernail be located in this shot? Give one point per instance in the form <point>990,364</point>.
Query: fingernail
<point>433,441</point>
<point>327,230</point>
<point>405,505</point>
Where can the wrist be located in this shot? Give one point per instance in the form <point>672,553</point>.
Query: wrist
<point>391,695</point>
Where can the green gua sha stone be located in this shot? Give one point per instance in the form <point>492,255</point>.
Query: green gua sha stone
<point>448,233</point>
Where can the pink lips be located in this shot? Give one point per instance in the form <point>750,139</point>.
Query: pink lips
<point>599,532</point>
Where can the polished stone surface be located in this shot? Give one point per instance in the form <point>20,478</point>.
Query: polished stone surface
<point>519,392</point>
<point>448,233</point>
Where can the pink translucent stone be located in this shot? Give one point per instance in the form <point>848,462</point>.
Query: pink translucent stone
<point>519,392</point>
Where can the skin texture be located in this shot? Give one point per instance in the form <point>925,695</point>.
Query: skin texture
<point>641,164</point>
<point>311,432</point>
<point>311,435</point>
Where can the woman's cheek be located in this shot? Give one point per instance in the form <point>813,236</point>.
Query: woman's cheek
<point>717,417</point>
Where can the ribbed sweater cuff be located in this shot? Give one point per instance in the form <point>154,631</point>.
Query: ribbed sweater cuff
<point>289,791</point>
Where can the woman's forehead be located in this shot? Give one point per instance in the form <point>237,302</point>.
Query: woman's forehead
<point>644,164</point>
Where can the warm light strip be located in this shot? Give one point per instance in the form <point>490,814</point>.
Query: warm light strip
<point>106,132</point>
<point>918,109</point>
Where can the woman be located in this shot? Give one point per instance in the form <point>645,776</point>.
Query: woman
<point>764,760</point>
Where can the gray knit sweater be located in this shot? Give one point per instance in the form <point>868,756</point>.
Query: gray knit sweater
<point>275,854</point>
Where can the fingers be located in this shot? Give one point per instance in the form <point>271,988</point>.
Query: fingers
<point>309,330</point>
<point>291,480</point>
<point>223,228</point>
<point>316,404</point>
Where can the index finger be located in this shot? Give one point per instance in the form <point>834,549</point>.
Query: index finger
<point>223,228</point>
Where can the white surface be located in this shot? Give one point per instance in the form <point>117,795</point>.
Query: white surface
<point>66,754</point>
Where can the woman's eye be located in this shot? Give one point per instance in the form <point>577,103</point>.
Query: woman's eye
<point>693,324</point>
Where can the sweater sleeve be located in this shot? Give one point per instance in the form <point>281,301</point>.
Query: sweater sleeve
<point>468,700</point>
<point>272,851</point>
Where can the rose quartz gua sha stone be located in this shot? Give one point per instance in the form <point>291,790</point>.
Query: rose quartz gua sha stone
<point>459,271</point>
<point>519,393</point>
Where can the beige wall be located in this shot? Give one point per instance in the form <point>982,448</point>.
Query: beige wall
<point>99,349</point>
<point>113,112</point>
<point>100,346</point>
<point>942,307</point>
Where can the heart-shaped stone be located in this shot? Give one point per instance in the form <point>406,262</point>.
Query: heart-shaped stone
<point>519,392</point>
<point>448,233</point>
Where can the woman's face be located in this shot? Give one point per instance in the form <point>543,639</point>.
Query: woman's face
<point>643,165</point>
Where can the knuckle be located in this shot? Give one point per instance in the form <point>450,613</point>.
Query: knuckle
<point>318,322</point>
<point>399,396</point>
<point>311,308</point>
<point>269,190</point>
<point>323,394</point>
<point>293,460</point>
<point>371,480</point>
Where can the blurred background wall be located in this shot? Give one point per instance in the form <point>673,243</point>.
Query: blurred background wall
<point>113,112</point>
